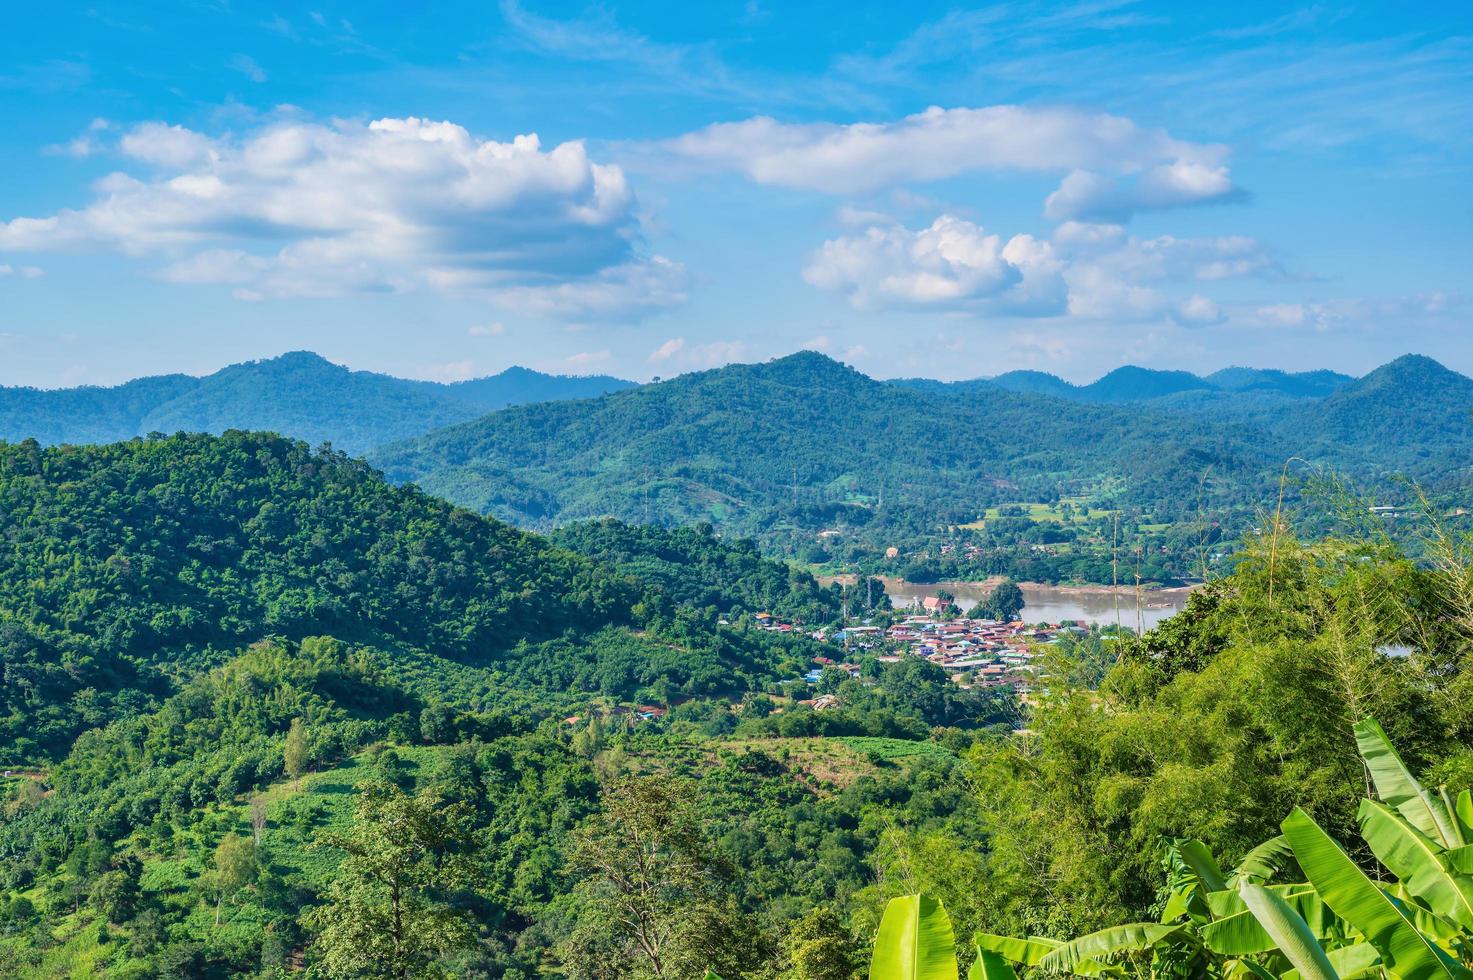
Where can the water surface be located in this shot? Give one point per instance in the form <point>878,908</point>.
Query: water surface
<point>1050,604</point>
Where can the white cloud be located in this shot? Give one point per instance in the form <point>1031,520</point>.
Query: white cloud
<point>247,66</point>
<point>1197,311</point>
<point>24,271</point>
<point>953,264</point>
<point>1088,196</point>
<point>1400,313</point>
<point>1167,257</point>
<point>716,353</point>
<point>1097,294</point>
<point>168,146</point>
<point>451,371</point>
<point>487,329</point>
<point>1087,233</point>
<point>625,292</point>
<point>1114,167</point>
<point>825,345</point>
<point>682,355</point>
<point>1283,314</point>
<point>300,209</point>
<point>1088,271</point>
<point>588,358</point>
<point>84,145</point>
<point>853,216</point>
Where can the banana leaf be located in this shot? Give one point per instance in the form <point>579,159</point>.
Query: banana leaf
<point>1355,960</point>
<point>1463,812</point>
<point>1088,950</point>
<point>915,941</point>
<point>1354,897</point>
<point>1192,872</point>
<point>1290,933</point>
<point>1263,862</point>
<point>1195,855</point>
<point>990,966</point>
<point>1450,807</point>
<point>1031,951</point>
<point>1244,969</point>
<point>1237,932</point>
<point>1418,863</point>
<point>1028,952</point>
<point>1460,859</point>
<point>1400,789</point>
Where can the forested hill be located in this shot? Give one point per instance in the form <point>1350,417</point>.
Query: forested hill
<point>127,568</point>
<point>125,563</point>
<point>299,394</point>
<point>805,440</point>
<point>1411,402</point>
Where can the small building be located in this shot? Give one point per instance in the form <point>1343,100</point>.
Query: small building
<point>821,703</point>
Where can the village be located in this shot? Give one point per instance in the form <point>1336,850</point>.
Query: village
<point>976,652</point>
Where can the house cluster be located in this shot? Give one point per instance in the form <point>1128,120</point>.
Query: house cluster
<point>976,652</point>
<point>982,652</point>
<point>773,624</point>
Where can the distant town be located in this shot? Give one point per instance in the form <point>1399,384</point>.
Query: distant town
<point>976,652</point>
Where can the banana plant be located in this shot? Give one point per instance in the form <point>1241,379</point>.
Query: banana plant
<point>1336,922</point>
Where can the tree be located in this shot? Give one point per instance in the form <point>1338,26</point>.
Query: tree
<point>297,754</point>
<point>437,723</point>
<point>819,948</point>
<point>650,901</point>
<point>590,740</point>
<point>235,867</point>
<point>1413,921</point>
<point>258,819</point>
<point>395,907</point>
<point>116,892</point>
<point>1005,602</point>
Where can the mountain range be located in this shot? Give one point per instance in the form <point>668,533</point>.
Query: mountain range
<point>1137,384</point>
<point>299,394</point>
<point>804,443</point>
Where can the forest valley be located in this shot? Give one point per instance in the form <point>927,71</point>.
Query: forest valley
<point>264,713</point>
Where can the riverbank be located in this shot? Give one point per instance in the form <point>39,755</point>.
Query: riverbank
<point>895,585</point>
<point>1100,604</point>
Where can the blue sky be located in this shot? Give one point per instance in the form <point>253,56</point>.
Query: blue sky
<point>918,189</point>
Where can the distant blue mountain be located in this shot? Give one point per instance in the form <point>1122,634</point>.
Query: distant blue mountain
<point>1304,384</point>
<point>298,394</point>
<point>1129,384</point>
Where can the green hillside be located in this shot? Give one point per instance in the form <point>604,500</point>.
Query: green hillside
<point>803,441</point>
<point>784,450</point>
<point>129,567</point>
<point>359,809</point>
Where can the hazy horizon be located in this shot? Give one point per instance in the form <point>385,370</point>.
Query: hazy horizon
<point>1081,381</point>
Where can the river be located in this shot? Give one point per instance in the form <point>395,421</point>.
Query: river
<point>1050,604</point>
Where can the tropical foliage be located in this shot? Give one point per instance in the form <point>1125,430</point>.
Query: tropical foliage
<point>1411,916</point>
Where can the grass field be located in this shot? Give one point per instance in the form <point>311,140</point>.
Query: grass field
<point>1082,512</point>
<point>892,749</point>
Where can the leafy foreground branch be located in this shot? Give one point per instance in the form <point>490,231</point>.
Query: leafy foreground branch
<point>1259,921</point>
